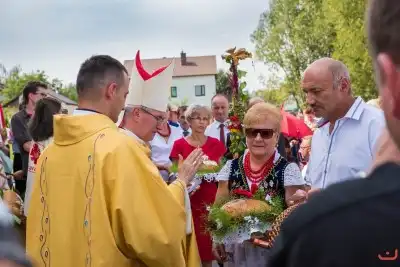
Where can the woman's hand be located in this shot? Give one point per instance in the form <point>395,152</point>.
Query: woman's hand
<point>18,175</point>
<point>219,253</point>
<point>187,168</point>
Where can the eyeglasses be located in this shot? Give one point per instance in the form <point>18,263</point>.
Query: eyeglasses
<point>41,94</point>
<point>160,120</point>
<point>264,133</point>
<point>200,119</point>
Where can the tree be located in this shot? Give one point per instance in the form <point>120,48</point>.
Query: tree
<point>293,33</point>
<point>15,81</point>
<point>223,84</point>
<point>290,35</point>
<point>274,94</point>
<point>350,45</point>
<point>69,91</point>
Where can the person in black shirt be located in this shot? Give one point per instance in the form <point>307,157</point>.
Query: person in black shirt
<point>33,91</point>
<point>356,223</point>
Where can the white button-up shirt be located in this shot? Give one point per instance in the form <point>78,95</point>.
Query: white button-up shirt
<point>213,130</point>
<point>161,149</point>
<point>348,150</point>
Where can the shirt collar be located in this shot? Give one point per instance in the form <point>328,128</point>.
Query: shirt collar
<point>354,112</point>
<point>26,114</point>
<point>356,109</point>
<point>130,133</point>
<point>174,124</point>
<point>217,123</point>
<point>84,112</point>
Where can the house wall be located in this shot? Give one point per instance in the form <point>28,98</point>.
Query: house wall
<point>185,87</point>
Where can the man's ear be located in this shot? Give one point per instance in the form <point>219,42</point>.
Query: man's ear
<point>111,90</point>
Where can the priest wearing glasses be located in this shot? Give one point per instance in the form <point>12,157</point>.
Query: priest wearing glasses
<point>144,115</point>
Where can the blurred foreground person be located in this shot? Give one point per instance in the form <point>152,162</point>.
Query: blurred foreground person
<point>97,199</point>
<point>12,254</point>
<point>355,223</point>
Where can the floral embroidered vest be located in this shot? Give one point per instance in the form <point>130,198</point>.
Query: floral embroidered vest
<point>273,183</point>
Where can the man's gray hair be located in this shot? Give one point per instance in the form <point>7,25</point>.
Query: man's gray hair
<point>195,109</point>
<point>339,71</point>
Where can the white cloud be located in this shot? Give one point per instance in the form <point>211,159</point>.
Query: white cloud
<point>56,36</point>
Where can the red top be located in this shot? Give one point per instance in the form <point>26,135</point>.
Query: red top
<point>213,148</point>
<point>205,195</point>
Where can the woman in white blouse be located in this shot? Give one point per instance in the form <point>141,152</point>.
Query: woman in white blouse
<point>41,130</point>
<point>261,166</point>
<point>161,146</point>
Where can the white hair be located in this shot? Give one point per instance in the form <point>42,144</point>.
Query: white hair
<point>196,108</point>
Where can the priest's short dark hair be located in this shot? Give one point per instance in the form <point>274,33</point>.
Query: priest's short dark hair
<point>98,71</point>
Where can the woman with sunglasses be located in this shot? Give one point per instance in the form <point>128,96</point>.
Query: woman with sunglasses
<point>261,166</point>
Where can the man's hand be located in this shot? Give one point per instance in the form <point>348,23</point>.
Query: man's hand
<point>187,168</point>
<point>297,197</point>
<point>27,146</point>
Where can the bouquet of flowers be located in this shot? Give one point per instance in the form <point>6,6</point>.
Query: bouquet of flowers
<point>238,142</point>
<point>237,219</point>
<point>232,56</point>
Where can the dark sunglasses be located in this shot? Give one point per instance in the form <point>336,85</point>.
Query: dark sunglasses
<point>264,133</point>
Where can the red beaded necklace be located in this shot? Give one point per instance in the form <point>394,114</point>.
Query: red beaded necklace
<point>256,176</point>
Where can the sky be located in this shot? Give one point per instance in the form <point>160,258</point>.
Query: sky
<point>58,35</point>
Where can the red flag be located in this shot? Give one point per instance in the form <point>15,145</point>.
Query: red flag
<point>2,119</point>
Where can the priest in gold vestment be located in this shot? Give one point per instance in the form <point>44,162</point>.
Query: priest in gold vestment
<point>144,113</point>
<point>98,200</point>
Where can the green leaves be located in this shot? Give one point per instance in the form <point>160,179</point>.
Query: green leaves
<point>223,84</point>
<point>15,80</point>
<point>242,85</point>
<point>291,34</point>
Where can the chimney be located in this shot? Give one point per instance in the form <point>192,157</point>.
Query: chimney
<point>183,58</point>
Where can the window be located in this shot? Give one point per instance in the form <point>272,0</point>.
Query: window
<point>174,92</point>
<point>200,90</point>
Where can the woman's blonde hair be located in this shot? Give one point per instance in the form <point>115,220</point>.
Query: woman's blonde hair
<point>195,109</point>
<point>262,112</point>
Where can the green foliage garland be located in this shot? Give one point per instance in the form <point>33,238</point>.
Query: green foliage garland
<point>220,223</point>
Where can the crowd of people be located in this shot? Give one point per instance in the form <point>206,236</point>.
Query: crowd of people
<point>112,183</point>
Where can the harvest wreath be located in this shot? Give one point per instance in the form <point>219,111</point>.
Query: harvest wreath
<point>237,219</point>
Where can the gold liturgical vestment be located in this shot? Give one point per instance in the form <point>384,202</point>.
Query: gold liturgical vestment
<point>99,201</point>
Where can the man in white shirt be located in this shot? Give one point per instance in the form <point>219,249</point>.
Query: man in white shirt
<point>344,143</point>
<point>220,110</point>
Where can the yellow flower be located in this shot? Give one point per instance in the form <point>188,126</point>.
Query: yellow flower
<point>234,131</point>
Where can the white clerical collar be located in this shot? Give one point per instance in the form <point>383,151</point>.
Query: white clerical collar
<point>131,134</point>
<point>83,112</point>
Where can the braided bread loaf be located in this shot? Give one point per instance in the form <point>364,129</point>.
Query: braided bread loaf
<point>276,228</point>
